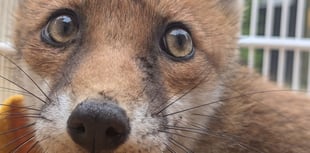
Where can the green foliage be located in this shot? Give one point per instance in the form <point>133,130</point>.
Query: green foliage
<point>246,18</point>
<point>258,65</point>
<point>244,53</point>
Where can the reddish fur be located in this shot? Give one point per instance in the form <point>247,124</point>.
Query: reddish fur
<point>271,122</point>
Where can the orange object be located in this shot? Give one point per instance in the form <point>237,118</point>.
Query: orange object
<point>15,130</point>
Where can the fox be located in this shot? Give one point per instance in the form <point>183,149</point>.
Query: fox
<point>147,76</point>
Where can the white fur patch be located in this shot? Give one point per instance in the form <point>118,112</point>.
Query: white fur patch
<point>184,117</point>
<point>52,135</point>
<point>144,136</point>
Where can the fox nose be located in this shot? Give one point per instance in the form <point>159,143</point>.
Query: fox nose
<point>98,126</point>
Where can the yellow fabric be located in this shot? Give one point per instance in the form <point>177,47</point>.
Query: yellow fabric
<point>9,107</point>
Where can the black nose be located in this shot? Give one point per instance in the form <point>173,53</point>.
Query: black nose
<point>98,126</point>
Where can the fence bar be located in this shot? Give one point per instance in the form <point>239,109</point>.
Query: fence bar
<point>296,70</point>
<point>7,18</point>
<point>2,82</point>
<point>254,17</point>
<point>289,43</point>
<point>300,18</point>
<point>284,18</point>
<point>268,33</point>
<point>299,32</point>
<point>269,18</point>
<point>308,78</point>
<point>281,64</point>
<point>6,74</point>
<point>1,27</point>
<point>251,58</point>
<point>3,16</point>
<point>266,63</point>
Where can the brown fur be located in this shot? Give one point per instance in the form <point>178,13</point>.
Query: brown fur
<point>268,121</point>
<point>116,56</point>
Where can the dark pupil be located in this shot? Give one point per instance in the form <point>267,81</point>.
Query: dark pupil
<point>180,39</point>
<point>64,26</point>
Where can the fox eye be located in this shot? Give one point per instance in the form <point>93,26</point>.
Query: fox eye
<point>61,30</point>
<point>177,43</point>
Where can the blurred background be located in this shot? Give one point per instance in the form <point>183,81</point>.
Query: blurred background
<point>6,25</point>
<point>275,42</point>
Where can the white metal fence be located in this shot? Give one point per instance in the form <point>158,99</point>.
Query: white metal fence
<point>284,47</point>
<point>275,44</point>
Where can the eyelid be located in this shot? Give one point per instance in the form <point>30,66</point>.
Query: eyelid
<point>63,11</point>
<point>180,25</point>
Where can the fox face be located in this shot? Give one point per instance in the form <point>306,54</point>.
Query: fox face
<point>126,76</point>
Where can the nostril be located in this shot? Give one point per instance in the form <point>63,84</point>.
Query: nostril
<point>78,128</point>
<point>112,132</point>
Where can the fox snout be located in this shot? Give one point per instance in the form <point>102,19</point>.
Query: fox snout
<point>98,125</point>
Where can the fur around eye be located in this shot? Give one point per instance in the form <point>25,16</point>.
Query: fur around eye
<point>61,30</point>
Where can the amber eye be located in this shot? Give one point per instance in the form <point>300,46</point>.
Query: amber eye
<point>61,30</point>
<point>177,43</point>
